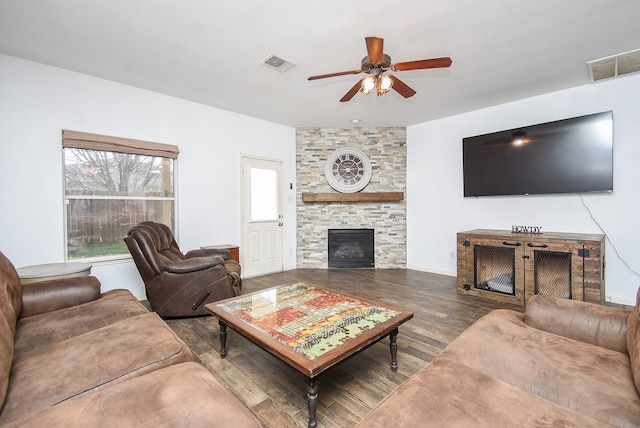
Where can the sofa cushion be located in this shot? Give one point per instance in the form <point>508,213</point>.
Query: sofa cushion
<point>590,323</point>
<point>51,327</point>
<point>633,341</point>
<point>10,307</point>
<point>568,372</point>
<point>447,393</point>
<point>183,395</point>
<point>6,357</point>
<point>59,371</point>
<point>53,294</point>
<point>10,292</point>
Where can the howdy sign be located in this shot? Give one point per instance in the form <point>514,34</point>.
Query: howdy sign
<point>526,229</point>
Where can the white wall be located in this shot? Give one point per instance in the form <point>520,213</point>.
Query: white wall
<point>437,210</point>
<point>38,101</point>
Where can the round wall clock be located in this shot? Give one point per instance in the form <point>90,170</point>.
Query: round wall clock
<point>348,170</point>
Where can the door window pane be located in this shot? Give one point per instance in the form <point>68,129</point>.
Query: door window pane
<point>264,194</point>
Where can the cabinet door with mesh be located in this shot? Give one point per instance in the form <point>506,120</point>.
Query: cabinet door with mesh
<point>494,269</point>
<point>553,269</point>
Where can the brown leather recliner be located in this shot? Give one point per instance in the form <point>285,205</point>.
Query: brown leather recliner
<point>177,284</point>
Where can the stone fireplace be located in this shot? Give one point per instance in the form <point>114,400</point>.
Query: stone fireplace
<point>386,148</point>
<point>350,248</point>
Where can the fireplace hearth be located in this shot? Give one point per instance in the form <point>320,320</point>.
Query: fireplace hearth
<point>351,248</point>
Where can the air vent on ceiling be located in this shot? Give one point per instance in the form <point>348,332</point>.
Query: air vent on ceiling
<point>614,66</point>
<point>277,63</point>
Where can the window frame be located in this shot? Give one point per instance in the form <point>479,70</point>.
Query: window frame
<point>96,142</point>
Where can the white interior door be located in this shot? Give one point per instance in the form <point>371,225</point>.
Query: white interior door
<point>262,232</point>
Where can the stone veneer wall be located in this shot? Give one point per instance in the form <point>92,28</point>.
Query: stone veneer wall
<point>387,150</point>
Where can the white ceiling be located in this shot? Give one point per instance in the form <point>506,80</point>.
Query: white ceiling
<point>209,51</point>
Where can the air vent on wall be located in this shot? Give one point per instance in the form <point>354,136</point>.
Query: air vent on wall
<point>614,66</point>
<point>277,63</point>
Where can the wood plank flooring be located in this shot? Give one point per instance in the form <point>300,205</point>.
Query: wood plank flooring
<point>276,393</point>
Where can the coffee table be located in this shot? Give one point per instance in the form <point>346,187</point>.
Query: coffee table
<point>309,327</point>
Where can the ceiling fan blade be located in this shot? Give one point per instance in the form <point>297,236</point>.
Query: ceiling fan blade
<point>340,73</point>
<point>374,48</point>
<point>400,87</point>
<point>352,91</point>
<point>422,64</point>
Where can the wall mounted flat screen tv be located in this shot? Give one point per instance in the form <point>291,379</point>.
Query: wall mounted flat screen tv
<point>566,156</point>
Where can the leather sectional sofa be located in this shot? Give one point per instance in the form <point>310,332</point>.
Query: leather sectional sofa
<point>75,357</point>
<point>562,363</point>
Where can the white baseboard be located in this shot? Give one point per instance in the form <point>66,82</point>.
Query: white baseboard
<point>620,300</point>
<point>436,271</point>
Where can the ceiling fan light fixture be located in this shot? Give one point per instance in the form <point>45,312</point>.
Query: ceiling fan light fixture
<point>375,64</point>
<point>384,84</point>
<point>368,83</point>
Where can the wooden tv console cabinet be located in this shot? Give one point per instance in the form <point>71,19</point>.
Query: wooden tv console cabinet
<point>512,267</point>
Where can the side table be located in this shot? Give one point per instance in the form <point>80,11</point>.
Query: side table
<point>35,273</point>
<point>234,250</point>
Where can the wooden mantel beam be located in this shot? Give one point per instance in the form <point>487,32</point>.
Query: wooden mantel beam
<point>353,197</point>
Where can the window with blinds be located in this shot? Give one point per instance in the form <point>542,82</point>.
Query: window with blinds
<point>111,184</point>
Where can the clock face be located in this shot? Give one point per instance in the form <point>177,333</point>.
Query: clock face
<point>348,170</point>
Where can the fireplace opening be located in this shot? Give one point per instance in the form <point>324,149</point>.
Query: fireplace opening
<point>351,248</point>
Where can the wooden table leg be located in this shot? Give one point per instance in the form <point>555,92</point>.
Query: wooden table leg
<point>393,345</point>
<point>223,338</point>
<point>312,400</point>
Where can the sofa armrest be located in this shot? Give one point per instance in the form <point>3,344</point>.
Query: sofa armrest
<point>599,325</point>
<point>194,264</point>
<point>50,295</point>
<point>209,252</point>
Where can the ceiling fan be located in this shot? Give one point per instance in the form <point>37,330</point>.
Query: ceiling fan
<point>375,64</point>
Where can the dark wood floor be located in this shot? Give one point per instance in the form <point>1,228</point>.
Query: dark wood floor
<point>276,393</point>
